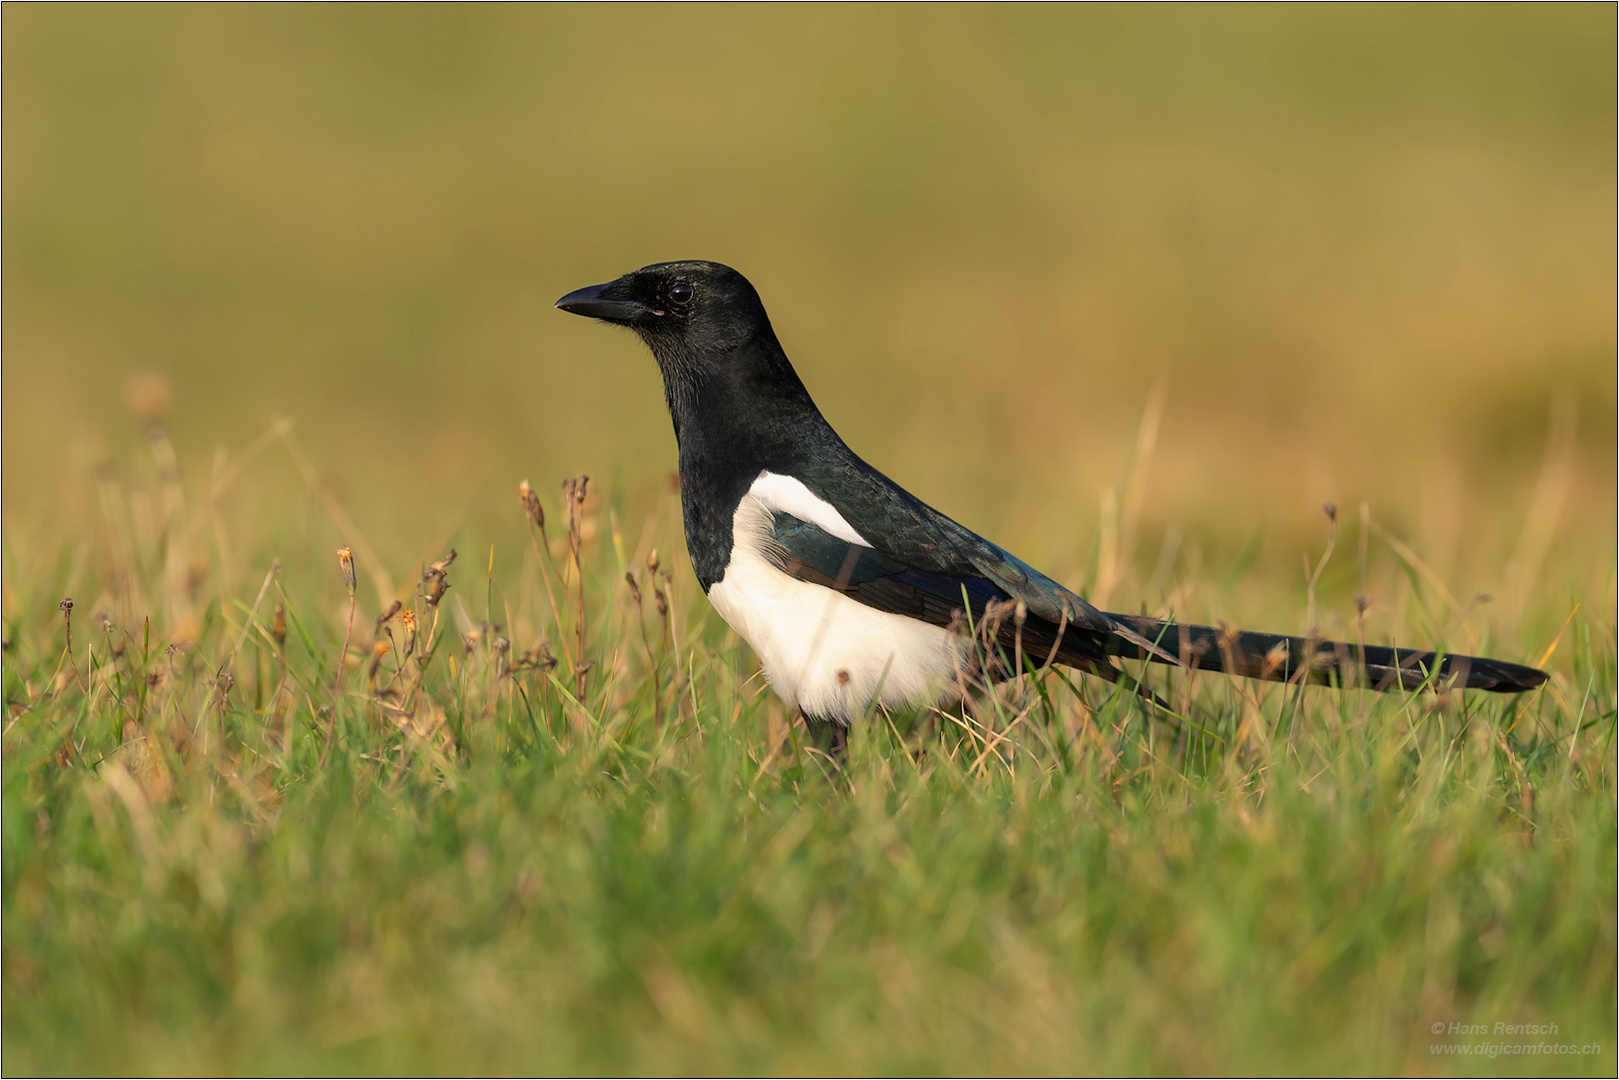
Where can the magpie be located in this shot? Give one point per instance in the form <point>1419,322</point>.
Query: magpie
<point>851,590</point>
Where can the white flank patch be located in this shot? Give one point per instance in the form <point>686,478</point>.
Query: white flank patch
<point>829,655</point>
<point>787,495</point>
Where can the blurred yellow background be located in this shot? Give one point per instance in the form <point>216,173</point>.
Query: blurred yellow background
<point>1365,252</point>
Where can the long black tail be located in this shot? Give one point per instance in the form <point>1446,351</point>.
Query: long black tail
<point>1279,658</point>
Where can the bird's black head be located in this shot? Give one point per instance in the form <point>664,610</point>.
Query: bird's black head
<point>686,312</point>
<point>728,383</point>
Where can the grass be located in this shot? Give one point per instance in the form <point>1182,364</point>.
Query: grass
<point>226,852</point>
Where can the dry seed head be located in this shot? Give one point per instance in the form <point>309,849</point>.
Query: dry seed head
<point>635,590</point>
<point>652,560</point>
<point>1275,659</point>
<point>995,613</point>
<point>663,602</point>
<point>383,619</point>
<point>537,655</point>
<point>345,559</point>
<point>531,504</point>
<point>436,580</point>
<point>278,625</point>
<point>1331,510</point>
<point>573,504</point>
<point>66,606</point>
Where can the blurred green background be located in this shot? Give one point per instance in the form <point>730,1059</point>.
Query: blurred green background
<point>1366,252</point>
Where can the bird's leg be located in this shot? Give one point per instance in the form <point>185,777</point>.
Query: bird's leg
<point>828,736</point>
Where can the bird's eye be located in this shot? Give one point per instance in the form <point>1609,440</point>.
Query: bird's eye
<point>680,294</point>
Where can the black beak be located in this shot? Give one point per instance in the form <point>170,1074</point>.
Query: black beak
<point>609,302</point>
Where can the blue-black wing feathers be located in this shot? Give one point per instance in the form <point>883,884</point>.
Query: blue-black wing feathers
<point>907,530</point>
<point>878,580</point>
<point>809,553</point>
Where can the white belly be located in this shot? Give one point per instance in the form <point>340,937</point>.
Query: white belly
<point>829,655</point>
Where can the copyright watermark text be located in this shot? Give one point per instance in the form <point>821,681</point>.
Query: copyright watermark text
<point>1500,1027</point>
<point>1480,1044</point>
